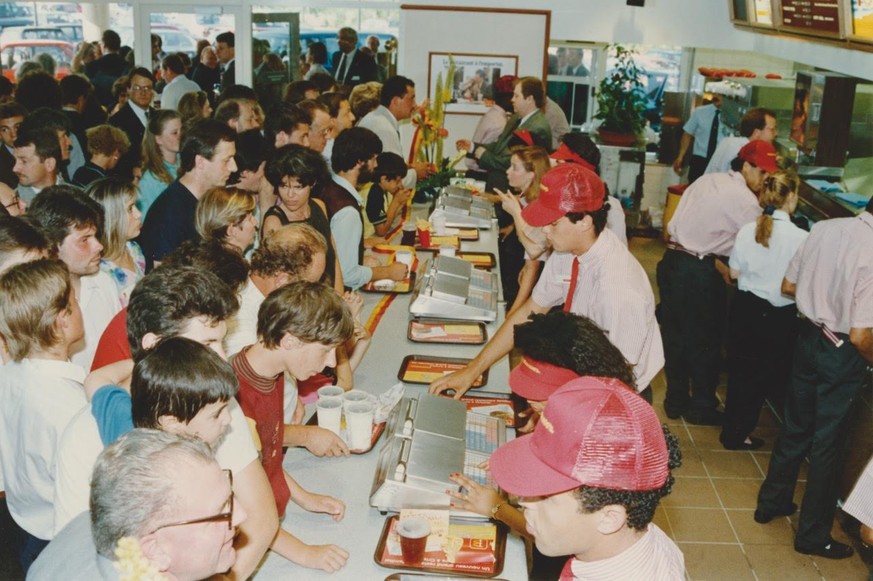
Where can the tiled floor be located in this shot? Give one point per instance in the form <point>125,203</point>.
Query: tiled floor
<point>709,513</point>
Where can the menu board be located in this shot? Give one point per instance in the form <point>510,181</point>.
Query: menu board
<point>816,17</point>
<point>862,19</point>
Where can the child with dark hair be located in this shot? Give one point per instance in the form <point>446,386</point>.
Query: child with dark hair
<point>300,327</point>
<point>387,196</point>
<point>40,389</point>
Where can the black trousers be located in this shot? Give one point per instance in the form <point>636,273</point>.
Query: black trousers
<point>693,298</point>
<point>761,341</point>
<point>696,167</point>
<point>825,380</point>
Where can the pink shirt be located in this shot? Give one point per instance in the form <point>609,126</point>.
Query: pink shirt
<point>652,557</point>
<point>711,212</point>
<point>614,292</point>
<point>833,271</point>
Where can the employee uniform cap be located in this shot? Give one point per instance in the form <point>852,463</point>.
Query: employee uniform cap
<point>594,432</point>
<point>761,153</point>
<point>567,187</point>
<point>564,153</point>
<point>536,380</point>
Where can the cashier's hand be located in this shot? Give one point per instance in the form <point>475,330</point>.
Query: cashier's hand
<point>532,418</point>
<point>464,144</point>
<point>460,381</point>
<point>323,442</point>
<point>355,302</point>
<point>475,498</point>
<point>330,558</point>
<point>322,503</point>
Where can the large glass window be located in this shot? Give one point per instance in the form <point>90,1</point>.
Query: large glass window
<point>572,73</point>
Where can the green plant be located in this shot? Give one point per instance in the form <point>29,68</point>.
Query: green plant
<point>621,97</point>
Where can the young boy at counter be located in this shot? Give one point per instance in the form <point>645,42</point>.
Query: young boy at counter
<point>590,477</point>
<point>387,196</point>
<point>300,326</point>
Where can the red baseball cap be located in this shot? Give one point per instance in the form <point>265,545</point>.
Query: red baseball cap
<point>761,153</point>
<point>567,187</point>
<point>564,153</point>
<point>524,135</point>
<point>593,432</point>
<point>536,380</point>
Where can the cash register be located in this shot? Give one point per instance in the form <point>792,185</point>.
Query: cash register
<point>462,209</point>
<point>449,287</point>
<point>426,440</point>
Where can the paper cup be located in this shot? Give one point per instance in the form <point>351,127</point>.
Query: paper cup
<point>408,237</point>
<point>359,424</point>
<point>447,250</point>
<point>330,413</point>
<point>413,533</point>
<point>405,257</point>
<point>330,391</point>
<point>354,395</point>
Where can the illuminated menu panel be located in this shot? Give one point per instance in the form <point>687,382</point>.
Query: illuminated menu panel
<point>820,17</point>
<point>763,12</point>
<point>862,19</point>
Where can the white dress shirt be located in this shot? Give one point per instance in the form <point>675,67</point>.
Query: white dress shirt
<point>99,300</point>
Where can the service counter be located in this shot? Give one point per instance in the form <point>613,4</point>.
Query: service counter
<point>351,478</point>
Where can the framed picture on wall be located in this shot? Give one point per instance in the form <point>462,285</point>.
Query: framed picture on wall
<point>473,80</point>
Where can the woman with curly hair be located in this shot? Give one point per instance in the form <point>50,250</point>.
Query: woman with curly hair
<point>106,145</point>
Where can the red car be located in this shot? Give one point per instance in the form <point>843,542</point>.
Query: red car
<point>14,53</point>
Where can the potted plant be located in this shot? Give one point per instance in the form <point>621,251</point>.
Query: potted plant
<point>621,100</point>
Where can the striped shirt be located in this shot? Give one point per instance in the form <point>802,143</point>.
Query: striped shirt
<point>711,212</point>
<point>614,292</point>
<point>833,271</point>
<point>653,557</point>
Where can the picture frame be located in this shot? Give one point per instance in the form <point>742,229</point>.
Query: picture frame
<point>473,74</point>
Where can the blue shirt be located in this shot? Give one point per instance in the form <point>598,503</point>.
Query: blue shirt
<point>348,231</point>
<point>699,125</point>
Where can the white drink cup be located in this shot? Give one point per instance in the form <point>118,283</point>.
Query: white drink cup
<point>359,424</point>
<point>330,391</point>
<point>352,396</point>
<point>330,413</point>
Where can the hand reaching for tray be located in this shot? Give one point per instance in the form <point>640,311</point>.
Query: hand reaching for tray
<point>459,381</point>
<point>323,442</point>
<point>475,498</point>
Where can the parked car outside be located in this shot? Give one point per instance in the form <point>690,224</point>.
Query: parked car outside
<point>14,53</point>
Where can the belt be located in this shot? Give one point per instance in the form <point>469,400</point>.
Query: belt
<point>832,337</point>
<point>676,246</point>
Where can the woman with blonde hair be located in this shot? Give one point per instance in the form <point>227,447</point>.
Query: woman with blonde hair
<point>122,259</point>
<point>106,145</point>
<point>194,106</point>
<point>521,244</point>
<point>227,215</point>
<point>160,156</point>
<point>763,321</point>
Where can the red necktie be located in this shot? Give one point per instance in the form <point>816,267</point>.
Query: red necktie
<point>567,571</point>
<point>574,274</point>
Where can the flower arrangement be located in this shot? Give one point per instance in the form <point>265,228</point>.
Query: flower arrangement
<point>131,564</point>
<point>427,142</point>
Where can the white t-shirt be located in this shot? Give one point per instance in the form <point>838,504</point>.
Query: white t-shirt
<point>100,301</point>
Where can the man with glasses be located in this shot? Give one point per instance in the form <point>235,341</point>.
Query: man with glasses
<point>164,492</point>
<point>133,117</point>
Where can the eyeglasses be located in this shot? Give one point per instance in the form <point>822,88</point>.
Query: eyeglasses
<point>16,200</point>
<point>141,88</point>
<point>222,516</point>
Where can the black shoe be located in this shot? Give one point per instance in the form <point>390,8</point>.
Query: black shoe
<point>674,412</point>
<point>765,517</point>
<point>833,550</point>
<point>752,444</point>
<point>704,417</point>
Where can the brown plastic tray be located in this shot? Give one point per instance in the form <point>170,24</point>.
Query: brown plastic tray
<point>465,332</point>
<point>476,558</point>
<point>471,234</point>
<point>377,433</point>
<point>436,241</point>
<point>424,369</point>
